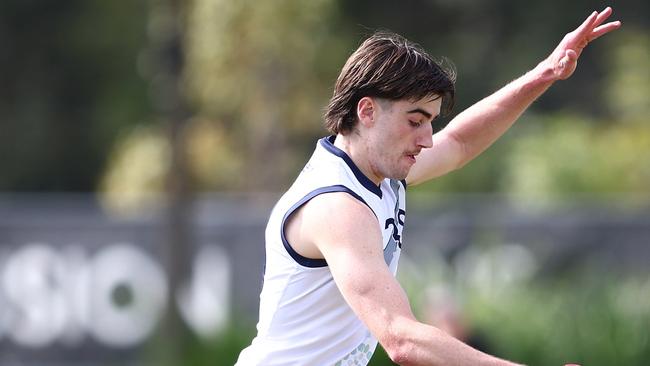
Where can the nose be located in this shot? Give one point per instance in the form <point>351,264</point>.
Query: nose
<point>425,137</point>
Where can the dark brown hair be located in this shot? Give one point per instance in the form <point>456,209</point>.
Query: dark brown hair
<point>388,66</point>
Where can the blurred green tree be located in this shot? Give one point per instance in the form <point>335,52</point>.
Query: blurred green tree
<point>69,86</point>
<point>260,72</point>
<point>75,99</point>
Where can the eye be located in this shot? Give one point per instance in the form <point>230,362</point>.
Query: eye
<point>415,123</point>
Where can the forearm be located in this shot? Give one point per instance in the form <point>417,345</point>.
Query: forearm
<point>426,345</point>
<point>476,128</point>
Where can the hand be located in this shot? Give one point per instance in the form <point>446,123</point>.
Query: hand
<point>564,59</point>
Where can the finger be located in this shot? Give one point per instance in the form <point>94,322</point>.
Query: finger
<point>587,25</point>
<point>602,16</point>
<point>604,29</point>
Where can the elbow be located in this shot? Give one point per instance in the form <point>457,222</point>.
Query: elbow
<point>400,350</point>
<point>399,354</point>
<point>411,346</point>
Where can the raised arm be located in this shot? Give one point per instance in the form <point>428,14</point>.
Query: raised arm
<point>346,233</point>
<point>476,128</point>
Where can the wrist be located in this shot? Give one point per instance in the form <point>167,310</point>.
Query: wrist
<point>544,72</point>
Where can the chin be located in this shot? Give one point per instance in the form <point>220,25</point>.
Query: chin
<point>399,175</point>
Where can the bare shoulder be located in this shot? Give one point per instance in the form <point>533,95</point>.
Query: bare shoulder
<point>329,221</point>
<point>338,208</point>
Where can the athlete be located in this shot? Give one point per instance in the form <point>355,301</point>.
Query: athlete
<point>334,238</point>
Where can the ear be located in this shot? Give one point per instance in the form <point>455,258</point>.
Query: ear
<point>366,108</point>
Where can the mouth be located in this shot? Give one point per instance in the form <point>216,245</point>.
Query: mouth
<point>411,156</point>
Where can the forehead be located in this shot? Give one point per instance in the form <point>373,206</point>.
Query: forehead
<point>429,105</point>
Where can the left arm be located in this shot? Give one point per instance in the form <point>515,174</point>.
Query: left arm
<point>476,128</point>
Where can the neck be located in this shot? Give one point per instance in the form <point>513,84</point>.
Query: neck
<point>357,151</point>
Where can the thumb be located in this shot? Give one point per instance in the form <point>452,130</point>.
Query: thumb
<point>567,64</point>
<point>569,57</point>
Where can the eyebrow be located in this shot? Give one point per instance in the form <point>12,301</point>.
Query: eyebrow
<point>422,111</point>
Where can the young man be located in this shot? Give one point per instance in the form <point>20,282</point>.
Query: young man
<point>334,239</point>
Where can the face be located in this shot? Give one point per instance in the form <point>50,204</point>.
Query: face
<point>398,132</point>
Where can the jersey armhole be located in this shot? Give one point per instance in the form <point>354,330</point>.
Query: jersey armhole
<point>304,261</point>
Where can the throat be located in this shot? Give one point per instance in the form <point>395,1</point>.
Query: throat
<point>360,156</point>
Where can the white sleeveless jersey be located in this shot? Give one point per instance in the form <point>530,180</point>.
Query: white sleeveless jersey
<point>303,318</point>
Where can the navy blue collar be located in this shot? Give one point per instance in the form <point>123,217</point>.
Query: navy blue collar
<point>328,144</point>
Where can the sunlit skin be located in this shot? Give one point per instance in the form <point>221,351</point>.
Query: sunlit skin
<point>390,135</point>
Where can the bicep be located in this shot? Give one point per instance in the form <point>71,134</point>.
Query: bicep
<point>351,242</point>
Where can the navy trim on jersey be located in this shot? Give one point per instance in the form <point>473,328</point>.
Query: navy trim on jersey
<point>403,183</point>
<point>304,261</point>
<point>328,144</point>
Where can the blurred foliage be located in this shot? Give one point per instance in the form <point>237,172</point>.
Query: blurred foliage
<point>219,350</point>
<point>137,169</point>
<point>571,155</point>
<point>566,151</point>
<point>581,316</point>
<point>509,307</point>
<point>260,72</point>
<point>560,154</point>
<point>69,87</point>
<point>585,319</point>
<point>600,321</point>
<point>628,85</point>
<point>78,86</point>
